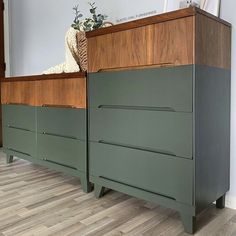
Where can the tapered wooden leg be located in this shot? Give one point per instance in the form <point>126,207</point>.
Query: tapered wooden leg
<point>189,223</point>
<point>9,159</point>
<point>86,185</point>
<point>99,191</point>
<point>220,203</point>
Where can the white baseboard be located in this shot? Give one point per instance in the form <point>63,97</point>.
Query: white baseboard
<point>230,201</point>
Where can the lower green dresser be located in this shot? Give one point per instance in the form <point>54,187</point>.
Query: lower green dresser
<point>162,134</point>
<point>50,136</point>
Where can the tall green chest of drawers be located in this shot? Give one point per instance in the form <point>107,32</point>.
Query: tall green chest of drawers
<point>159,129</point>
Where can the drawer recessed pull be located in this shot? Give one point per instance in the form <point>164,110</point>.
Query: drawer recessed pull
<point>59,135</point>
<point>145,108</point>
<point>57,163</point>
<point>18,103</point>
<point>59,106</point>
<point>153,66</point>
<point>14,150</point>
<point>14,127</point>
<point>132,186</point>
<point>146,149</point>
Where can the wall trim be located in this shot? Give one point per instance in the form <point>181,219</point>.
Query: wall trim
<point>230,201</point>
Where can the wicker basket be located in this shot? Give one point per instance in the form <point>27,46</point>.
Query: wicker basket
<point>82,51</point>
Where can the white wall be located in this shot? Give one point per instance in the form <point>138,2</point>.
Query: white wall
<point>228,13</point>
<point>6,38</point>
<point>37,29</point>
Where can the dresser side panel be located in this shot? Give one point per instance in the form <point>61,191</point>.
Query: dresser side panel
<point>212,42</point>
<point>212,134</point>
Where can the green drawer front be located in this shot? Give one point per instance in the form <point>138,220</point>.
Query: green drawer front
<point>164,175</point>
<point>19,116</point>
<point>64,151</point>
<point>19,141</point>
<point>164,132</point>
<point>160,88</point>
<point>66,122</point>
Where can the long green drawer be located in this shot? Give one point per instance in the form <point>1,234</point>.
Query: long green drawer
<point>160,88</point>
<point>19,141</point>
<point>168,176</point>
<point>67,122</point>
<point>19,116</point>
<point>164,132</point>
<point>64,151</point>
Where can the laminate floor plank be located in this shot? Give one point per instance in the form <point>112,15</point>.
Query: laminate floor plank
<point>37,201</point>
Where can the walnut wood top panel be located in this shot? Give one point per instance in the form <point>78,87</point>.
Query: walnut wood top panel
<point>191,11</point>
<point>183,37</point>
<point>212,42</point>
<point>19,92</point>
<point>61,92</point>
<point>166,43</point>
<point>54,91</point>
<point>45,77</point>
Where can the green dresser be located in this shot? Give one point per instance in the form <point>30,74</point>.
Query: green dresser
<point>161,134</point>
<point>45,122</point>
<point>159,110</point>
<point>61,137</point>
<point>49,136</point>
<point>19,130</point>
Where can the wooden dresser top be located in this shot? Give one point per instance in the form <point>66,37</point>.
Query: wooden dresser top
<point>186,12</point>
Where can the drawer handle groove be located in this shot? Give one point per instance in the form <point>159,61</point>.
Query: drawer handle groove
<point>58,135</point>
<point>132,186</point>
<point>18,103</point>
<point>24,153</point>
<point>138,148</point>
<point>139,67</point>
<point>145,108</point>
<point>59,106</point>
<point>14,127</point>
<point>56,163</point>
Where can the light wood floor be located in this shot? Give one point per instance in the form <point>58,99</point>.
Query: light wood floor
<point>37,201</point>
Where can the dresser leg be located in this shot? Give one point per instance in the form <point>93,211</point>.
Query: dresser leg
<point>220,203</point>
<point>9,159</point>
<point>99,190</point>
<point>86,185</point>
<point>189,223</point>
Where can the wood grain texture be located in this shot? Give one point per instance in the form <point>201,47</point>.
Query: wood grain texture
<point>182,13</point>
<point>60,92</point>
<point>18,93</point>
<point>212,43</point>
<point>169,42</point>
<point>54,90</point>
<point>44,77</point>
<point>37,201</point>
<point>189,36</point>
<point>173,42</point>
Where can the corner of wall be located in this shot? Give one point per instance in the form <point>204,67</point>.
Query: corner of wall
<point>7,38</point>
<point>230,201</point>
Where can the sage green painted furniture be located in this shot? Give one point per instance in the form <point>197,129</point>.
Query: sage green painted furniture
<point>49,136</point>
<point>162,134</point>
